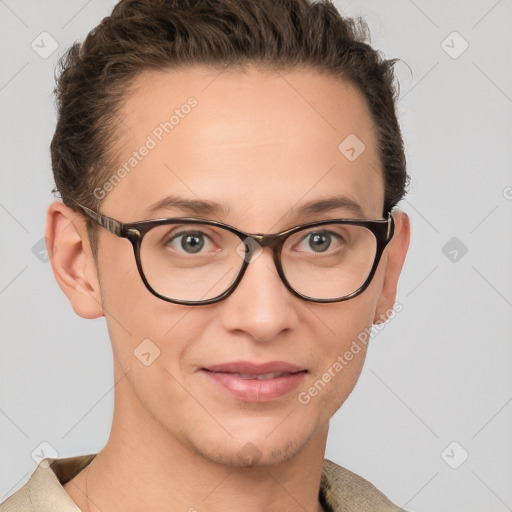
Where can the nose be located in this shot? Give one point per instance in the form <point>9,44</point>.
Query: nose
<point>261,306</point>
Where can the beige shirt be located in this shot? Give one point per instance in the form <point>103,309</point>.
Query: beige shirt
<point>340,489</point>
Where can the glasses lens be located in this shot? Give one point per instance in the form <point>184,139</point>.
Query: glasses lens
<point>192,262</point>
<point>329,261</point>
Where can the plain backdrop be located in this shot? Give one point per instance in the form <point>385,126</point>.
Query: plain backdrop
<point>429,421</point>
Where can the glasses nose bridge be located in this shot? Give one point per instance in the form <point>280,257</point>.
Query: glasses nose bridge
<point>272,241</point>
<point>255,243</point>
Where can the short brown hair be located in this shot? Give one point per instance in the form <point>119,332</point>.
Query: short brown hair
<point>143,35</point>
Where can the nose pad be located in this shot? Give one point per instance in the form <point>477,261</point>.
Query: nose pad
<point>249,250</point>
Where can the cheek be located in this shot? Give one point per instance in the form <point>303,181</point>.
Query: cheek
<point>342,337</point>
<point>345,322</point>
<point>138,322</point>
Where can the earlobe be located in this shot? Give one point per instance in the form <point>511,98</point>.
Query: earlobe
<point>397,250</point>
<point>72,260</point>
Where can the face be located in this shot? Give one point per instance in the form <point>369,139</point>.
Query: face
<point>260,144</point>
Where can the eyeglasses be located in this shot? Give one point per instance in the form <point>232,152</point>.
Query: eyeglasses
<point>194,261</point>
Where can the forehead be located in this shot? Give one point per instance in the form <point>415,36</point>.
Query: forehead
<point>260,142</point>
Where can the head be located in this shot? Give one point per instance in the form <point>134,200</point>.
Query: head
<point>252,105</point>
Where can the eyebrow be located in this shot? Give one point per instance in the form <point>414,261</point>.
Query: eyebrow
<point>205,207</point>
<point>330,203</point>
<point>194,206</point>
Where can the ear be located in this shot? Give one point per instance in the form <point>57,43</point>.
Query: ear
<point>72,260</point>
<point>396,251</point>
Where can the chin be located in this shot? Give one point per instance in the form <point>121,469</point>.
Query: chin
<point>263,450</point>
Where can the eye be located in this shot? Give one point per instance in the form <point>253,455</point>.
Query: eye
<point>320,241</point>
<point>191,242</point>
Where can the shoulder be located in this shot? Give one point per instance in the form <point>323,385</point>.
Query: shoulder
<point>344,490</point>
<point>44,489</point>
<point>18,502</point>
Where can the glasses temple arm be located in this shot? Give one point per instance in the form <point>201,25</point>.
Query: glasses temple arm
<point>109,224</point>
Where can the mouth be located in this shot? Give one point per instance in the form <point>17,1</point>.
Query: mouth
<point>256,382</point>
<point>263,376</point>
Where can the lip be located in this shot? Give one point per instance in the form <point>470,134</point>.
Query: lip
<point>255,369</point>
<point>252,389</point>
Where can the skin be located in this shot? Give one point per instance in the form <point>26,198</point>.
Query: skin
<point>261,143</point>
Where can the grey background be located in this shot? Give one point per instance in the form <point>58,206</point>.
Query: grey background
<point>438,373</point>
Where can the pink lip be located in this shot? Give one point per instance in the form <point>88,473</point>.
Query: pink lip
<point>255,390</point>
